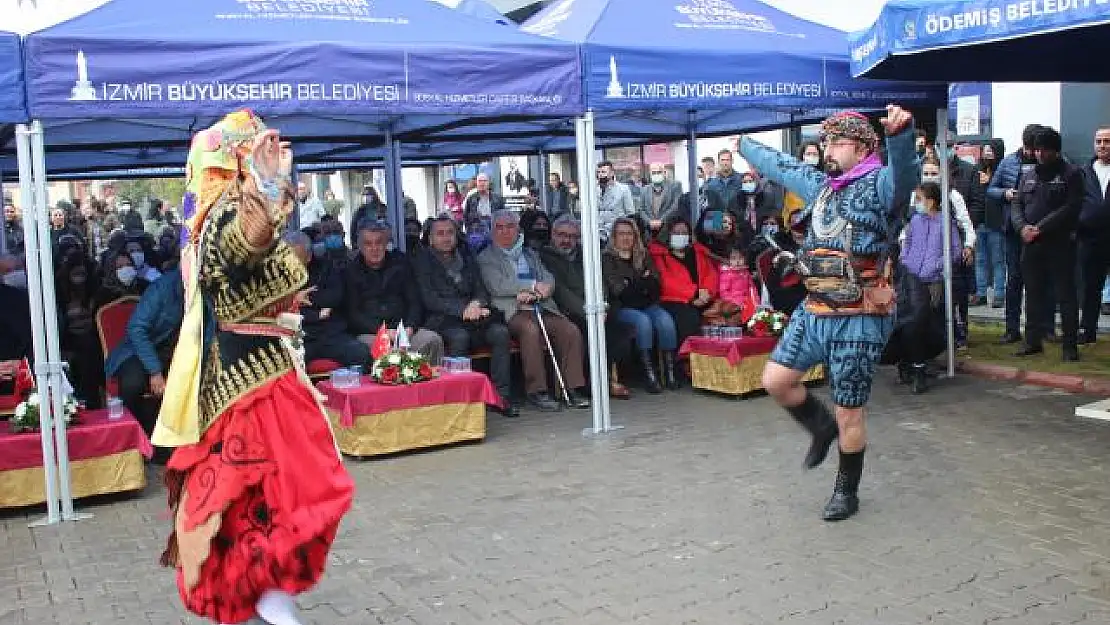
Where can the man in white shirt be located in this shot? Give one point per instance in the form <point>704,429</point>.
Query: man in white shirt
<point>614,199</point>
<point>1094,235</point>
<point>311,209</point>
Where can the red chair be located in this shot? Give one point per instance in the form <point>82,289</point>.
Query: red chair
<point>23,382</point>
<point>320,368</point>
<point>111,325</point>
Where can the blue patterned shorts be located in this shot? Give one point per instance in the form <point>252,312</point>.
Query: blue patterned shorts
<point>848,346</point>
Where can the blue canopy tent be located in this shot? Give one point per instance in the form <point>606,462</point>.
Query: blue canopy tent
<point>139,75</point>
<point>983,41</point>
<point>734,64</point>
<point>712,68</point>
<point>13,100</point>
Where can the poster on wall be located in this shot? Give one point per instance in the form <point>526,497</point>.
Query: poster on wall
<point>969,110</point>
<point>514,181</point>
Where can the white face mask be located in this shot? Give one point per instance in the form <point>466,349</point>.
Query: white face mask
<point>812,160</point>
<point>679,241</point>
<point>930,178</point>
<point>139,258</point>
<point>16,279</point>
<point>658,179</point>
<point>126,275</point>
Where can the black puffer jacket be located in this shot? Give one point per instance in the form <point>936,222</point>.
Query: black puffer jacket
<point>388,294</point>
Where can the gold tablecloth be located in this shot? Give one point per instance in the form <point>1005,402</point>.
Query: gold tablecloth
<point>410,428</point>
<point>713,373</point>
<point>115,473</point>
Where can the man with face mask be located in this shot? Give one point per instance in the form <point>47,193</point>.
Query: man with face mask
<point>325,315</point>
<point>661,199</point>
<point>614,199</point>
<point>847,318</point>
<point>13,228</point>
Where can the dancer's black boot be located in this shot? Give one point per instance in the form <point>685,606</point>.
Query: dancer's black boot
<point>919,379</point>
<point>845,498</point>
<point>651,381</point>
<point>818,420</point>
<point>670,372</point>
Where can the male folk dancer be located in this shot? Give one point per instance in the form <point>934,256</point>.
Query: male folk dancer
<point>846,319</point>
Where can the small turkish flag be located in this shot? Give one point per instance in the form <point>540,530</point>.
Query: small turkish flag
<point>383,344</point>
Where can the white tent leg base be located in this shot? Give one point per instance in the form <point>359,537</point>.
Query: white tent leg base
<point>1098,410</point>
<point>592,433</point>
<point>46,520</point>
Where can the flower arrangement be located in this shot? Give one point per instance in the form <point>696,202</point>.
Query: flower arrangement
<point>401,367</point>
<point>768,323</point>
<point>26,418</point>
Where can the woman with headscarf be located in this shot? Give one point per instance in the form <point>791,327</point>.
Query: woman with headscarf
<point>371,208</point>
<point>256,482</point>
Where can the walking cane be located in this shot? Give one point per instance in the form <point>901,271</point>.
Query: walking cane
<point>550,350</point>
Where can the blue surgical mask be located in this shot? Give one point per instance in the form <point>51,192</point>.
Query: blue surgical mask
<point>334,242</point>
<point>748,187</point>
<point>126,275</point>
<point>138,258</point>
<point>920,208</point>
<point>769,230</point>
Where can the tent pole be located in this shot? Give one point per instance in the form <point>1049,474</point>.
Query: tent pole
<point>541,181</point>
<point>591,258</point>
<point>692,163</point>
<point>946,233</point>
<point>396,201</point>
<point>59,382</point>
<point>31,216</point>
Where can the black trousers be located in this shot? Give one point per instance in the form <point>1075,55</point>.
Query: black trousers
<point>1094,261</point>
<point>1049,271</point>
<point>344,349</point>
<point>134,387</point>
<point>458,341</point>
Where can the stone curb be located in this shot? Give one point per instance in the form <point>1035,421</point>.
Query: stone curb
<point>1099,387</point>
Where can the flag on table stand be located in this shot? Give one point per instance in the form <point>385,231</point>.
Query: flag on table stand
<point>402,337</point>
<point>382,343</point>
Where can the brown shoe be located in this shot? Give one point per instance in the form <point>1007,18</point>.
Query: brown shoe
<point>618,391</point>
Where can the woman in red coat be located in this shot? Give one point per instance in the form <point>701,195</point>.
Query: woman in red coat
<point>688,274</point>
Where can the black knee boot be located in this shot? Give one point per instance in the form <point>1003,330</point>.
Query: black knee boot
<point>671,378</point>
<point>919,379</point>
<point>651,381</point>
<point>818,420</point>
<point>845,499</point>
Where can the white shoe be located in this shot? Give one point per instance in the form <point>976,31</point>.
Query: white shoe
<point>277,608</point>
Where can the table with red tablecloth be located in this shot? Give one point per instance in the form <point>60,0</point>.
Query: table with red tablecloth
<point>377,419</point>
<point>105,456</point>
<point>733,366</point>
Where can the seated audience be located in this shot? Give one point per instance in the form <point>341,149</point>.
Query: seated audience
<point>632,288</point>
<point>521,288</point>
<point>564,258</point>
<point>381,289</point>
<point>140,361</point>
<point>324,314</point>
<point>457,305</point>
<point>688,276</point>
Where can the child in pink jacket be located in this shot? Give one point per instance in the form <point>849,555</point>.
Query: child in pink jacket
<point>739,292</point>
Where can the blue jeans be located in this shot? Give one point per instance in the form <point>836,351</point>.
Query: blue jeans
<point>990,262</point>
<point>1106,292</point>
<point>649,322</point>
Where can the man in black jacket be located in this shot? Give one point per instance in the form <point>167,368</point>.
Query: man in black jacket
<point>325,321</point>
<point>458,307</point>
<point>1045,212</point>
<point>383,289</point>
<point>1094,234</point>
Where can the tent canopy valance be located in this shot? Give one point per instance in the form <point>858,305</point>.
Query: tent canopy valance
<point>738,59</point>
<point>984,41</point>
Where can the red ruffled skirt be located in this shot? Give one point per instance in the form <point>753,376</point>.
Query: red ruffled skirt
<point>269,466</point>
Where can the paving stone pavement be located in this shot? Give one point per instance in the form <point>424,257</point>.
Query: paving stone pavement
<point>982,503</point>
